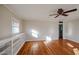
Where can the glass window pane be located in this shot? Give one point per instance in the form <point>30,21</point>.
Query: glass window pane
<point>15,26</point>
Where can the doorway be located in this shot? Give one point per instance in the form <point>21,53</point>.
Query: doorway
<point>60,30</point>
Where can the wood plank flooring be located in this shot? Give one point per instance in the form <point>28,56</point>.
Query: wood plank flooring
<point>54,47</point>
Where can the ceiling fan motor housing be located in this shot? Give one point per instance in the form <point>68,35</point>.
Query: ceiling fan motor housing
<point>60,11</point>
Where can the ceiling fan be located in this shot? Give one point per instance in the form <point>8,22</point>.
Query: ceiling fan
<point>60,11</point>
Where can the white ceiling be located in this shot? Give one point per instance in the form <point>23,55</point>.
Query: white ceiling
<point>42,11</point>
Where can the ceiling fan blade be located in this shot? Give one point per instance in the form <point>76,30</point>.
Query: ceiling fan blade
<point>70,10</point>
<point>52,14</point>
<point>56,16</point>
<point>64,14</point>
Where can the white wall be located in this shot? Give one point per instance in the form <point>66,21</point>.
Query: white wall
<point>6,22</point>
<point>50,28</point>
<point>45,28</point>
<point>73,30</point>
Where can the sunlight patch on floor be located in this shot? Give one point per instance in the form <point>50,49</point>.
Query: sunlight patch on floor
<point>35,46</point>
<point>76,51</point>
<point>70,45</point>
<point>48,39</point>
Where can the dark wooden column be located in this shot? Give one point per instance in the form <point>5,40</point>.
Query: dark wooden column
<point>60,30</point>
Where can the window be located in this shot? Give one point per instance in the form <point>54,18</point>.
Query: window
<point>15,26</point>
<point>35,33</point>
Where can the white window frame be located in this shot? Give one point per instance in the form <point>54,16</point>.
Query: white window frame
<point>15,26</point>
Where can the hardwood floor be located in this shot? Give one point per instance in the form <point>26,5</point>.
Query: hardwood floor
<point>54,47</point>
